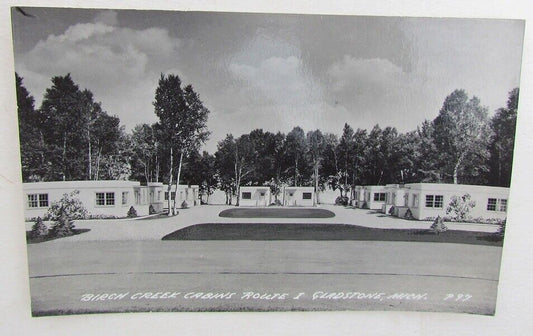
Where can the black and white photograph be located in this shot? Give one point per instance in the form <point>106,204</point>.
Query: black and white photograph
<point>202,161</point>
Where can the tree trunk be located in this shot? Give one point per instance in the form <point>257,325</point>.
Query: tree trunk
<point>177,182</point>
<point>170,213</point>
<point>156,168</point>
<point>316,185</point>
<point>239,185</point>
<point>97,175</point>
<point>64,154</point>
<point>296,172</point>
<point>89,155</point>
<point>456,169</point>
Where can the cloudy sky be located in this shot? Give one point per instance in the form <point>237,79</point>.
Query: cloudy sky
<point>272,71</point>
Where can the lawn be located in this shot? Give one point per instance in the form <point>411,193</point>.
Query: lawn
<point>301,231</point>
<point>276,213</point>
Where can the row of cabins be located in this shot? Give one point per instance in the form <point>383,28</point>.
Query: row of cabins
<point>107,198</point>
<point>114,198</point>
<point>429,200</point>
<point>258,196</point>
<point>422,200</point>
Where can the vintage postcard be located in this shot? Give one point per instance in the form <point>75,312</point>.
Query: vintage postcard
<point>207,161</point>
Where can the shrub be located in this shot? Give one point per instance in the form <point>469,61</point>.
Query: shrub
<point>501,230</point>
<point>408,214</point>
<point>69,205</point>
<point>132,212</point>
<point>101,216</point>
<point>438,225</point>
<point>151,210</point>
<point>39,229</point>
<point>62,227</point>
<point>184,205</point>
<point>341,200</point>
<point>460,207</point>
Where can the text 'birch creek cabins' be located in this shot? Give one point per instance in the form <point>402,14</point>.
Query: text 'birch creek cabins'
<point>421,201</point>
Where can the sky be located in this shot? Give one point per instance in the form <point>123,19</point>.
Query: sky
<point>272,71</point>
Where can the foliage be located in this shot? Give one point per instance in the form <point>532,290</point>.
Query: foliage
<point>145,159</point>
<point>501,229</point>
<point>503,125</point>
<point>62,226</point>
<point>132,213</point>
<point>341,200</point>
<point>438,225</point>
<point>151,210</point>
<point>71,137</point>
<point>460,207</point>
<point>408,214</point>
<point>39,229</point>
<point>461,135</point>
<point>182,125</point>
<point>184,205</point>
<point>69,205</point>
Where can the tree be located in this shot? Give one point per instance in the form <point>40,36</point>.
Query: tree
<point>425,155</point>
<point>182,123</point>
<point>374,157</point>
<point>359,142</point>
<point>244,161</point>
<point>295,149</point>
<point>346,157</point>
<point>461,134</point>
<point>80,140</point>
<point>144,162</point>
<point>32,148</point>
<point>225,166</point>
<point>207,171</point>
<point>63,113</point>
<point>316,146</point>
<point>501,148</point>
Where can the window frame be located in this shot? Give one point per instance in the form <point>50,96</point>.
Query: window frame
<point>37,201</point>
<point>498,204</point>
<point>309,194</point>
<point>246,195</point>
<point>107,201</point>
<point>378,197</point>
<point>434,201</point>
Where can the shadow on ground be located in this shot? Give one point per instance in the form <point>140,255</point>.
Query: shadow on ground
<point>274,231</point>
<point>35,240</point>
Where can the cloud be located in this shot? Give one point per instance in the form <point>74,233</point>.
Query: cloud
<point>108,17</point>
<point>121,66</point>
<point>365,76</point>
<point>377,87</point>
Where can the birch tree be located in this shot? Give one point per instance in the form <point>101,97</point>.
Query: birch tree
<point>182,122</point>
<point>461,133</point>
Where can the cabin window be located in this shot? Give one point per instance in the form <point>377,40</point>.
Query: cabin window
<point>379,197</point>
<point>37,200</point>
<point>105,199</point>
<point>306,195</point>
<point>497,204</point>
<point>246,195</point>
<point>434,201</point>
<point>124,197</point>
<point>262,193</point>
